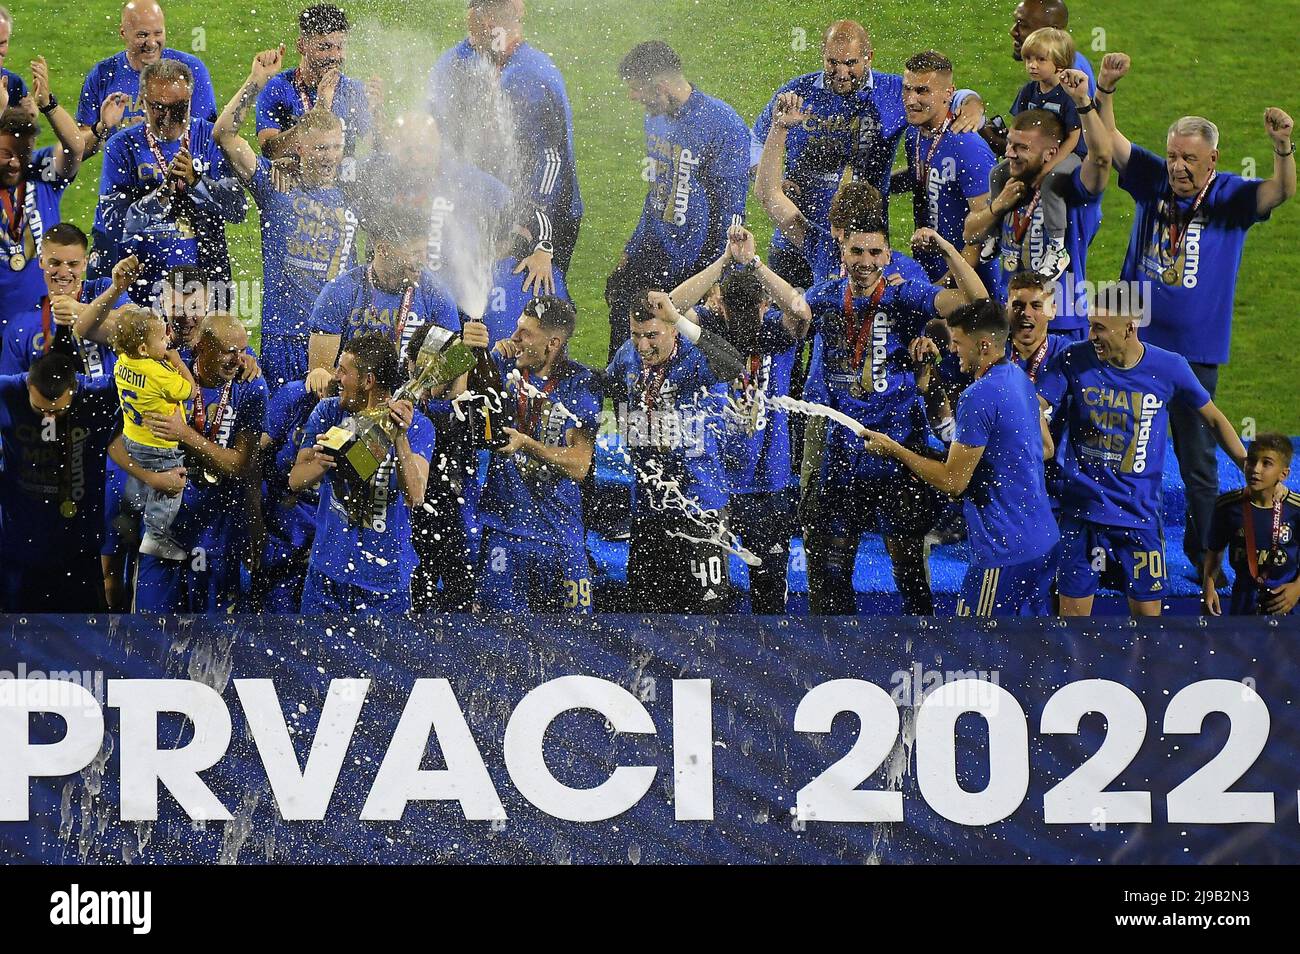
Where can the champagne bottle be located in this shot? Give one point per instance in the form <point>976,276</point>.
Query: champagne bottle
<point>493,410</point>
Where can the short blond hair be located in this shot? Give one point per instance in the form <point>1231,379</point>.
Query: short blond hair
<point>1051,44</point>
<point>318,120</point>
<point>132,330</point>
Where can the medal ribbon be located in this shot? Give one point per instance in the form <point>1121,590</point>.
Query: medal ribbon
<point>14,222</point>
<point>1036,362</point>
<point>201,412</point>
<point>652,380</point>
<point>923,168</point>
<point>1020,221</point>
<point>152,140</point>
<point>1248,521</point>
<point>1177,226</point>
<point>403,308</point>
<point>301,91</point>
<point>857,336</point>
<point>527,419</point>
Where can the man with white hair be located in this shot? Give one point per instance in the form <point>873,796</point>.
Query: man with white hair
<point>17,88</point>
<point>110,96</point>
<point>1188,234</point>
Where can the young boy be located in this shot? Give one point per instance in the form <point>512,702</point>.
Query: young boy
<point>1048,52</point>
<point>1263,549</point>
<point>150,378</point>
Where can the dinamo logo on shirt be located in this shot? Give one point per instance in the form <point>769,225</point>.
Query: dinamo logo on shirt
<point>1122,427</point>
<point>881,326</point>
<point>1023,256</point>
<point>1158,258</point>
<point>673,169</point>
<point>41,469</point>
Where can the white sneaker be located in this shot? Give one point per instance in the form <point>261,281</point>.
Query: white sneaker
<point>164,549</point>
<point>1054,262</point>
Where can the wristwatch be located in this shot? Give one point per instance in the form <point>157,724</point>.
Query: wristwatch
<point>1092,104</point>
<point>546,247</point>
<point>1290,152</point>
<point>52,105</point>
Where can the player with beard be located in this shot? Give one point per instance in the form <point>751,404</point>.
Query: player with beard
<point>868,326</point>
<point>667,383</point>
<point>1189,232</point>
<point>534,552</point>
<point>32,182</point>
<point>1117,391</point>
<point>756,443</point>
<point>537,162</point>
<point>110,96</point>
<point>361,555</point>
<point>1014,215</point>
<point>55,428</point>
<point>308,232</point>
<point>220,502</point>
<point>165,191</point>
<point>316,83</point>
<point>854,120</point>
<point>995,464</point>
<point>396,293</point>
<point>697,148</point>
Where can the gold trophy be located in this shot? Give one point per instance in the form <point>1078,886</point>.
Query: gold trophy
<point>361,443</point>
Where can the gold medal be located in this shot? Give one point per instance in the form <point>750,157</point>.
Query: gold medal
<point>17,262</point>
<point>211,478</point>
<point>68,508</point>
<point>1170,275</point>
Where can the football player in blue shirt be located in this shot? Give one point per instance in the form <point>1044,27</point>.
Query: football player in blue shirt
<point>1015,215</point>
<point>1189,231</point>
<point>539,162</point>
<point>756,443</point>
<point>317,82</point>
<point>396,293</point>
<point>220,502</point>
<point>55,428</point>
<point>361,555</point>
<point>867,326</point>
<point>31,188</point>
<point>855,119</point>
<point>166,191</point>
<point>1117,391</point>
<point>308,232</point>
<point>110,96</point>
<point>1031,306</point>
<point>1259,526</point>
<point>947,171</point>
<point>667,383</point>
<point>13,83</point>
<point>290,517</point>
<point>995,464</point>
<point>697,157</point>
<point>534,552</point>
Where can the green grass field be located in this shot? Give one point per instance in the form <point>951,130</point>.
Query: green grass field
<point>742,51</point>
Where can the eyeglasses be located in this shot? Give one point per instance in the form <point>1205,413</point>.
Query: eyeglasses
<point>176,112</point>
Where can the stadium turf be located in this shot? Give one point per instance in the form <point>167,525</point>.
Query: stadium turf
<point>1217,58</point>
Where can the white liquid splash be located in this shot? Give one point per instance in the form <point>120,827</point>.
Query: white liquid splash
<point>818,410</point>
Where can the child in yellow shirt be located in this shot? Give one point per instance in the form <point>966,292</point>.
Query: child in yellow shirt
<point>150,379</point>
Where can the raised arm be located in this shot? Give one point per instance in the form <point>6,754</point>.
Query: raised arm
<point>67,160</point>
<point>1095,173</point>
<point>969,287</point>
<point>95,322</point>
<point>768,188</point>
<point>239,153</point>
<point>1273,192</point>
<point>1114,67</point>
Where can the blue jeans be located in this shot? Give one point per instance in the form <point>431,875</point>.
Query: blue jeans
<point>160,509</point>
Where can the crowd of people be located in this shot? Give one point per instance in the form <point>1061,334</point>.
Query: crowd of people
<point>989,386</point>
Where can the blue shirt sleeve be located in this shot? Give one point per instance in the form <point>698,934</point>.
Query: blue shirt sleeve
<point>975,417</point>
<point>322,418</point>
<point>203,102</point>
<point>1144,176</point>
<point>90,101</point>
<point>1022,99</point>
<point>974,163</point>
<point>1053,380</point>
<point>420,435</point>
<point>117,186</point>
<point>1186,387</point>
<point>270,104</point>
<point>330,311</point>
<point>729,175</point>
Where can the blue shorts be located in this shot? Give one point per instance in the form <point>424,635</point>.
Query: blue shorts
<point>283,358</point>
<point>1019,589</point>
<point>207,582</point>
<point>320,594</point>
<point>1087,549</point>
<point>517,575</point>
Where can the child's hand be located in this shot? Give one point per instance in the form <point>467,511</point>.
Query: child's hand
<point>169,482</point>
<point>1076,84</point>
<point>1210,596</point>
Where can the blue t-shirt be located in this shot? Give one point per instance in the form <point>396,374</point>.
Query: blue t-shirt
<point>1034,366</point>
<point>17,88</point>
<point>1008,516</point>
<point>351,305</point>
<point>290,517</point>
<point>1192,316</point>
<point>523,498</point>
<point>699,176</point>
<point>671,415</point>
<point>214,516</point>
<point>823,254</point>
<point>308,238</point>
<point>376,555</point>
<point>34,481</point>
<point>115,75</point>
<point>860,131</point>
<point>24,338</point>
<point>871,378</point>
<point>1117,422</point>
<point>23,289</point>
<point>956,172</point>
<point>1055,101</point>
<point>542,159</point>
<point>280,103</point>
<point>757,460</point>
<point>1277,562</point>
<point>134,221</point>
<point>1083,218</point>
<point>507,298</point>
